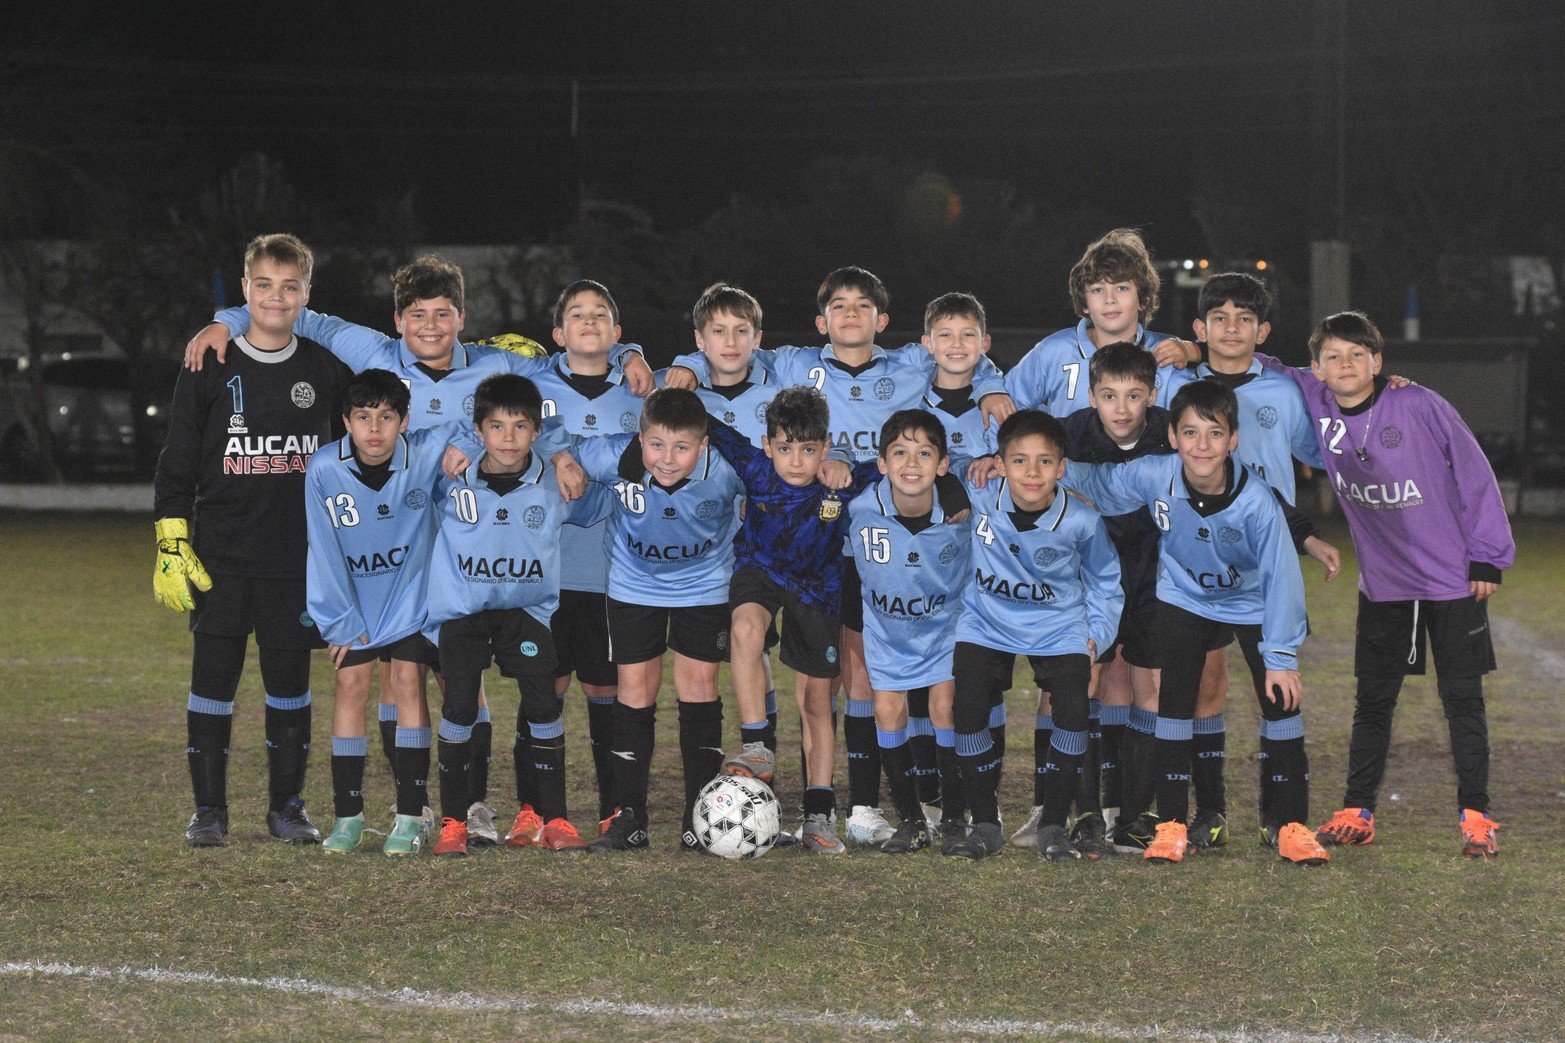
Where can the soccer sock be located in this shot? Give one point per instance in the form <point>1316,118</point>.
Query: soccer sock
<point>771,717</point>
<point>631,756</point>
<point>287,745</point>
<point>980,774</point>
<point>763,732</point>
<point>1285,773</point>
<point>387,716</point>
<point>1060,776</point>
<point>456,749</point>
<point>1043,727</point>
<point>921,737</point>
<point>1140,760</point>
<point>896,757</point>
<point>953,798</point>
<point>347,774</point>
<point>858,732</point>
<point>1089,797</point>
<point>1172,751</point>
<point>1112,724</point>
<point>819,800</point>
<point>545,753</point>
<point>412,770</point>
<point>522,762</point>
<point>209,724</point>
<point>700,749</point>
<point>1209,748</point>
<point>478,769</point>
<point>600,733</point>
<point>997,727</point>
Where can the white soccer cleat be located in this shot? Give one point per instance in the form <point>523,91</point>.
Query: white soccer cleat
<point>1027,836</point>
<point>480,825</point>
<point>868,826</point>
<point>932,815</point>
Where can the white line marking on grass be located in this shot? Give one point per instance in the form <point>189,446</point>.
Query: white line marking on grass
<point>692,1014</point>
<point>1515,635</point>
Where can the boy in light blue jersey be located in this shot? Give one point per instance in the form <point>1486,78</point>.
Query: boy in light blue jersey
<point>1114,288</point>
<point>371,528</point>
<point>863,385</point>
<point>671,552</point>
<point>493,588</point>
<point>1225,563</point>
<point>912,567</point>
<point>1232,323</point>
<point>736,387</point>
<point>1045,585</point>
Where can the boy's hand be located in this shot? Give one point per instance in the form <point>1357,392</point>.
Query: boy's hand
<point>340,652</point>
<point>1285,688</point>
<point>984,468</point>
<point>1482,589</point>
<point>680,377</point>
<point>177,566</point>
<point>996,406</point>
<point>1326,554</point>
<point>1177,353</point>
<point>568,474</point>
<point>1397,380</point>
<point>638,376</point>
<point>836,475</point>
<point>213,336</point>
<point>453,462</point>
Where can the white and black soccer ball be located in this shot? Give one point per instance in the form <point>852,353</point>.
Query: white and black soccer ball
<point>736,817</point>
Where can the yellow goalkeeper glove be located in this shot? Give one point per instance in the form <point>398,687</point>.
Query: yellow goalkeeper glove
<point>177,566</point>
<point>515,342</point>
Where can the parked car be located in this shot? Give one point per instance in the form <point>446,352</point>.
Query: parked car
<point>89,403</point>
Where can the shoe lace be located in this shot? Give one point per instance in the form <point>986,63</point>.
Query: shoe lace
<point>560,825</point>
<point>1479,827</point>
<point>451,829</point>
<point>1345,821</point>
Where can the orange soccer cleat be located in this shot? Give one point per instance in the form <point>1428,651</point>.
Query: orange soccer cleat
<point>1170,843</point>
<point>453,837</point>
<point>1348,826</point>
<point>559,835</point>
<point>525,830</point>
<point>1478,840</point>
<point>1298,845</point>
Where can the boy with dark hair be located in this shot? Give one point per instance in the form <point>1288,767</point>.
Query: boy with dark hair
<point>671,552</point>
<point>1045,585</point>
<point>240,435</point>
<point>371,531</point>
<point>493,588</point>
<point>863,385</point>
<point>1225,563</point>
<point>912,567</point>
<point>1433,539</point>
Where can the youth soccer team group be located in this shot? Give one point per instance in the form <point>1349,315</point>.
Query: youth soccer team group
<point>1118,508</point>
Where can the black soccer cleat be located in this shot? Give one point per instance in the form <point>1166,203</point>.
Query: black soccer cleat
<point>1135,836</point>
<point>291,825</point>
<point>1089,836</point>
<point>624,834</point>
<point>1054,843</point>
<point>1209,829</point>
<point>983,840</point>
<point>911,835</point>
<point>953,834</point>
<point>208,828</point>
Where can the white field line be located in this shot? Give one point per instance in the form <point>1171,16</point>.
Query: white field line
<point>1514,636</point>
<point>682,1014</point>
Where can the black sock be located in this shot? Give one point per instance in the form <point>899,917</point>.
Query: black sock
<point>545,756</point>
<point>478,768</point>
<point>287,747</point>
<point>898,763</point>
<point>858,732</point>
<point>700,748</point>
<point>387,714</point>
<point>1209,750</point>
<point>953,797</point>
<point>1041,734</point>
<point>1285,781</point>
<point>600,734</point>
<point>348,754</point>
<point>1062,776</point>
<point>1172,779</point>
<point>1111,761</point>
<point>1089,798</point>
<point>1139,772</point>
<point>980,761</point>
<point>820,800</point>
<point>522,764</point>
<point>412,751</point>
<point>206,748</point>
<point>921,736</point>
<point>454,773</point>
<point>631,756</point>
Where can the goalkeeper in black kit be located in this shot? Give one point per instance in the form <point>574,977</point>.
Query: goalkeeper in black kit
<point>229,504</point>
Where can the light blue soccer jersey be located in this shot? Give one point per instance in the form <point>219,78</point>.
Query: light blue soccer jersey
<point>911,584</point>
<point>1044,590</point>
<point>966,435</point>
<point>1054,375</point>
<point>369,546</point>
<point>860,402</point>
<point>500,550</point>
<point>1274,423</point>
<point>667,547</point>
<point>1237,565</point>
<point>742,406</point>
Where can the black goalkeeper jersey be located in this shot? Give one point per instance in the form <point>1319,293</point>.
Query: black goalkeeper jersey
<point>240,434</point>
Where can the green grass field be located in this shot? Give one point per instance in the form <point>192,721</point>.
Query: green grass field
<point>1401,939</point>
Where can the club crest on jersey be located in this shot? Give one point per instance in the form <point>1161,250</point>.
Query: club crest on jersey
<point>1227,535</point>
<point>831,507</point>
<point>303,395</point>
<point>706,510</point>
<point>236,425</point>
<point>1266,416</point>
<point>416,500</point>
<point>1043,557</point>
<point>467,406</point>
<point>885,387</point>
<point>760,412</point>
<point>533,517</point>
<point>627,422</point>
<point>948,553</point>
<point>1390,437</point>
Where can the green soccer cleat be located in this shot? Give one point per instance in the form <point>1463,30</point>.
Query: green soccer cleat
<point>407,836</point>
<point>346,833</point>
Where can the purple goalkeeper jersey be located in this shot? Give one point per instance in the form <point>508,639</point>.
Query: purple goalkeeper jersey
<point>1418,493</point>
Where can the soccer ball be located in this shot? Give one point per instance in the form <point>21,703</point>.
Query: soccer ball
<point>736,817</point>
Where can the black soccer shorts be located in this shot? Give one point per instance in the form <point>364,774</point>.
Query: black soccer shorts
<point>809,632</point>
<point>415,648</point>
<point>638,633</point>
<point>581,638</point>
<point>273,608</point>
<point>1393,638</point>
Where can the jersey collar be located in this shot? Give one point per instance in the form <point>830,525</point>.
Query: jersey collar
<point>531,474</point>
<point>282,354</point>
<point>876,353</point>
<point>1255,370</point>
<point>1177,486</point>
<point>409,360</point>
<point>888,507</point>
<point>1051,518</point>
<point>615,375</point>
<point>1085,347</point>
<point>759,376</point>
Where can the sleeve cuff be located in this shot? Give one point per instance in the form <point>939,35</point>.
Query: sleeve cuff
<point>1483,572</point>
